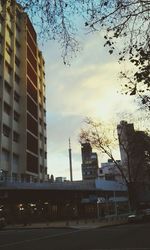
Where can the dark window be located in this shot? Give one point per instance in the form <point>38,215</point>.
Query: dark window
<point>17,61</point>
<point>40,122</point>
<point>31,90</point>
<point>8,49</point>
<point>8,68</point>
<point>32,143</point>
<point>16,97</point>
<point>31,58</point>
<point>17,44</point>
<point>41,152</point>
<point>32,163</point>
<point>16,116</point>
<point>15,136</point>
<point>10,33</point>
<point>32,74</point>
<point>41,168</point>
<point>6,130</point>
<point>32,125</point>
<point>7,87</point>
<point>17,79</point>
<point>40,107</point>
<point>7,108</point>
<point>32,107</point>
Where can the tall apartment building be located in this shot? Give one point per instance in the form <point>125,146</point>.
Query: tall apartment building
<point>89,162</point>
<point>23,149</point>
<point>135,151</point>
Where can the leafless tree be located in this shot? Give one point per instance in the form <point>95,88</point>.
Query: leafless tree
<point>135,147</point>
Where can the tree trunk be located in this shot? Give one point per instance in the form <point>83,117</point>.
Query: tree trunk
<point>133,195</point>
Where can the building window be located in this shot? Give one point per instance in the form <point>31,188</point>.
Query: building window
<point>41,152</point>
<point>7,108</point>
<point>15,136</point>
<point>7,87</point>
<point>40,122</point>
<point>17,61</point>
<point>41,136</point>
<point>16,97</point>
<point>45,140</point>
<point>8,68</point>
<point>41,168</point>
<point>8,49</point>
<point>16,116</point>
<point>10,33</point>
<point>45,155</point>
<point>6,130</point>
<point>17,79</point>
<point>5,155</point>
<point>17,44</point>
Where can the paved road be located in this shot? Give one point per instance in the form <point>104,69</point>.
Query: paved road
<point>125,237</point>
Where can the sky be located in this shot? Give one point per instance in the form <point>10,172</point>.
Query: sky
<point>90,87</point>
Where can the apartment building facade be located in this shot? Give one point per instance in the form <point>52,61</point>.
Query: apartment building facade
<point>23,142</point>
<point>89,162</point>
<point>135,152</point>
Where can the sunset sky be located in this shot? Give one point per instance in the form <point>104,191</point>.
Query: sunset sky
<point>89,87</point>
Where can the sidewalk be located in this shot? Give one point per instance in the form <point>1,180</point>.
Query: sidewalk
<point>78,224</point>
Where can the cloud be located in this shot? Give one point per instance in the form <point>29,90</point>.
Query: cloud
<point>89,87</point>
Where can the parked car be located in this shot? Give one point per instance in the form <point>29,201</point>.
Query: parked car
<point>136,217</point>
<point>2,222</point>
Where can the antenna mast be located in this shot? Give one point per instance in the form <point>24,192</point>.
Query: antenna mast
<point>70,160</point>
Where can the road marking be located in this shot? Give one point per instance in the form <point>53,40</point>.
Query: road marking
<point>39,238</point>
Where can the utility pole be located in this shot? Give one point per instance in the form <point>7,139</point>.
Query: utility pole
<point>70,160</point>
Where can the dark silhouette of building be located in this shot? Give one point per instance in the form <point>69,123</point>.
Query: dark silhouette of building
<point>89,162</point>
<point>135,151</point>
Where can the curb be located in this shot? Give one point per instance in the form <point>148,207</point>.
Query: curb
<point>78,227</point>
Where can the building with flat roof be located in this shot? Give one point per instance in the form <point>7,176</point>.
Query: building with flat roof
<point>89,162</point>
<point>23,143</point>
<point>109,170</point>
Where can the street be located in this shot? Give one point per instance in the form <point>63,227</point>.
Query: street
<point>123,237</point>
